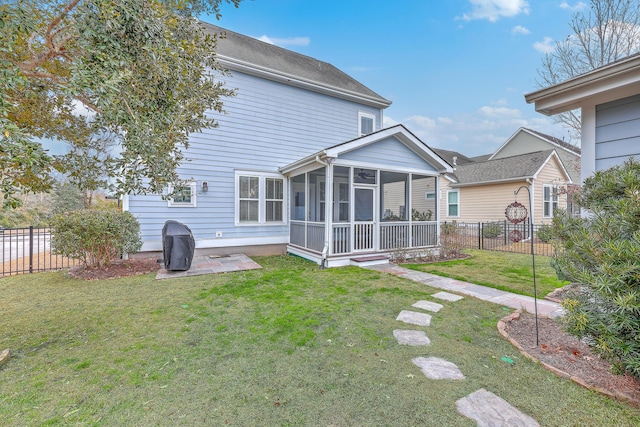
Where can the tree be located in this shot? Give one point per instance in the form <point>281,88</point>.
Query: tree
<point>602,254</point>
<point>142,72</point>
<point>608,31</point>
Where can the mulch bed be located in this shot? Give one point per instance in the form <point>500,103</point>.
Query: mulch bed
<point>567,356</point>
<point>119,268</point>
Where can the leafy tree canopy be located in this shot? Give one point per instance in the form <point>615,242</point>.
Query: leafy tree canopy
<point>141,73</point>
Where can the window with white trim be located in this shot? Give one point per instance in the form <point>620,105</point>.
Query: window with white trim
<point>453,203</point>
<point>366,123</point>
<point>183,196</point>
<point>259,198</point>
<point>549,200</point>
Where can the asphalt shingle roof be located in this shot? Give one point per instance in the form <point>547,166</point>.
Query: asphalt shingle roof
<point>522,166</point>
<point>270,57</point>
<point>557,141</point>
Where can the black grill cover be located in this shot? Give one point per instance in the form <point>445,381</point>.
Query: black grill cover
<point>178,246</point>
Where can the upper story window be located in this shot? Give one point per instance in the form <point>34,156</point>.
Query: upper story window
<point>183,196</point>
<point>367,123</point>
<point>259,198</point>
<point>549,200</point>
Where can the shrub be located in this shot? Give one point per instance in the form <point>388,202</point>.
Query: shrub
<point>95,237</point>
<point>602,253</point>
<point>491,230</point>
<point>544,233</point>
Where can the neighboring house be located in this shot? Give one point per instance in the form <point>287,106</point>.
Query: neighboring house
<point>528,141</point>
<point>479,191</point>
<point>299,163</point>
<point>609,99</point>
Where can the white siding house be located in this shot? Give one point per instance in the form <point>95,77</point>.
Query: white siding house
<point>299,162</point>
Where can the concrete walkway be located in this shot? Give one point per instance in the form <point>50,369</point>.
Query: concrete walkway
<point>545,308</point>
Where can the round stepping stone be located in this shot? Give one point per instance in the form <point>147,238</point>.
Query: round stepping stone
<point>438,369</point>
<point>489,410</point>
<point>446,296</point>
<point>415,318</point>
<point>414,338</point>
<point>428,305</point>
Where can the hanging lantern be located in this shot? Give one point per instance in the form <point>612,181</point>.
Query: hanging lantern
<point>516,212</point>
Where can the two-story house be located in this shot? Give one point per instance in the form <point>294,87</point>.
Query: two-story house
<point>299,163</point>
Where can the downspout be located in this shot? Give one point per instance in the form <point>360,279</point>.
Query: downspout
<point>532,200</point>
<point>325,249</point>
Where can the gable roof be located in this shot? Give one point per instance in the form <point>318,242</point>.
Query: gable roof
<point>249,55</point>
<point>616,80</point>
<point>515,168</point>
<point>548,138</point>
<point>399,132</point>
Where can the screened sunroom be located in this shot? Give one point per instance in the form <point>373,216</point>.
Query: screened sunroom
<point>340,209</point>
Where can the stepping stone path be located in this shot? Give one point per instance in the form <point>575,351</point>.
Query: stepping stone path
<point>489,410</point>
<point>482,406</point>
<point>415,318</point>
<point>411,337</point>
<point>428,305</point>
<point>438,369</point>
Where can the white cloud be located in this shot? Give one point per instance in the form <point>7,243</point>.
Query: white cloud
<point>289,41</point>
<point>501,112</point>
<point>545,46</point>
<point>519,29</point>
<point>476,133</point>
<point>579,6</point>
<point>493,10</point>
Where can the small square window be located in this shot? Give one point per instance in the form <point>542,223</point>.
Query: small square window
<point>183,196</point>
<point>367,123</point>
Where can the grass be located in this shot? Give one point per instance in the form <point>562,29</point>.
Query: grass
<point>286,345</point>
<point>500,270</point>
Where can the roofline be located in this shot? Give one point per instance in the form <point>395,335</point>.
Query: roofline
<point>293,80</point>
<point>568,95</point>
<point>537,136</point>
<point>553,153</point>
<point>494,181</point>
<point>409,139</point>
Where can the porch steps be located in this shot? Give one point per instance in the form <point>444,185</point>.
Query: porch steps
<point>365,261</point>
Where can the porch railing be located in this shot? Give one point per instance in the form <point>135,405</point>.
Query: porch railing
<point>395,235</point>
<point>308,235</point>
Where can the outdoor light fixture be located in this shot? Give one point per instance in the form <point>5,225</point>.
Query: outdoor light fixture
<point>205,186</point>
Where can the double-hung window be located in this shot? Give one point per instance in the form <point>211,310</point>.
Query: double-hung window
<point>183,196</point>
<point>453,203</point>
<point>259,198</point>
<point>549,200</point>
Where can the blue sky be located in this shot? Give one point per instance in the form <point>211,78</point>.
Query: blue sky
<point>455,70</point>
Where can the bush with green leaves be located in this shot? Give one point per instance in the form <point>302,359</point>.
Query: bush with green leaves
<point>95,237</point>
<point>544,233</point>
<point>491,230</point>
<point>601,252</point>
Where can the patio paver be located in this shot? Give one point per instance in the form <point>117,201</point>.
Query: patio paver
<point>489,410</point>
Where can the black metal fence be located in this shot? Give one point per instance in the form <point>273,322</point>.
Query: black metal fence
<point>27,250</point>
<point>501,236</point>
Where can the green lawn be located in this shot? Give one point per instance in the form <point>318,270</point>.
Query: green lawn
<point>289,344</point>
<point>499,270</point>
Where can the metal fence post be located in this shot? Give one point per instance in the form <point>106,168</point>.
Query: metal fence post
<point>31,249</point>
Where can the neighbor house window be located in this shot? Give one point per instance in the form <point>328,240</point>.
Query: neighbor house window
<point>183,196</point>
<point>367,123</point>
<point>453,203</point>
<point>549,200</point>
<point>259,198</point>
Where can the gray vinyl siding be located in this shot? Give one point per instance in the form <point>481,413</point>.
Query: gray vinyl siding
<point>266,126</point>
<point>390,152</point>
<point>617,131</point>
